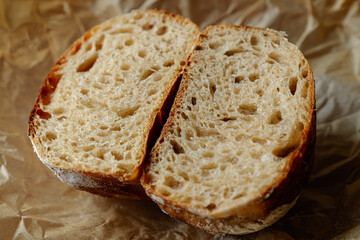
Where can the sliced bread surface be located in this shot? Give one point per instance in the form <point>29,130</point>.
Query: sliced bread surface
<point>238,145</point>
<point>107,96</point>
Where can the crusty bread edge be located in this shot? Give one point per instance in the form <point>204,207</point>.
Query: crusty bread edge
<point>98,183</point>
<point>281,193</point>
<point>230,225</point>
<point>127,186</point>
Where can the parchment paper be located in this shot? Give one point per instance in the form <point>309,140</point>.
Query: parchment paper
<point>34,204</point>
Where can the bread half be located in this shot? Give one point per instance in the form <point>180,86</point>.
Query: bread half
<point>105,100</point>
<point>238,145</point>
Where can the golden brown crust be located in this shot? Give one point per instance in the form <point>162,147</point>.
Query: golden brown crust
<point>280,193</point>
<point>104,184</point>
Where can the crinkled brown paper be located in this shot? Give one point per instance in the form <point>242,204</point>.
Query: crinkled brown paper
<point>34,204</point>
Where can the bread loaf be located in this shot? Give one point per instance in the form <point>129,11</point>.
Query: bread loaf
<point>238,145</point>
<point>106,99</point>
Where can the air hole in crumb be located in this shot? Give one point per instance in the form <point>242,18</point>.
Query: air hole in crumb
<point>284,151</point>
<point>58,111</point>
<point>247,109</point>
<point>142,53</point>
<point>99,42</point>
<point>50,136</point>
<point>254,77</point>
<point>127,111</point>
<point>87,64</point>
<point>275,57</point>
<point>259,92</point>
<point>122,30</point>
<point>152,92</point>
<point>184,116</point>
<point>103,127</point>
<point>74,144</point>
<point>119,79</point>
<point>157,78</point>
<point>211,206</point>
<point>304,73</point>
<point>214,45</point>
<point>88,148</point>
<point>254,40</point>
<point>75,48</point>
<point>97,85</point>
<point>226,119</point>
<point>119,47</point>
<point>275,43</point>
<point>147,73</point>
<point>84,91</point>
<point>125,67</point>
<point>234,51</point>
<point>240,137</point>
<point>275,118</point>
<point>170,169</point>
<point>100,154</point>
<point>129,42</point>
<point>207,155</point>
<point>147,26</point>
<point>171,182</point>
<point>304,90</point>
<point>258,140</point>
<point>193,101</point>
<point>292,85</point>
<point>176,147</point>
<point>184,175</point>
<point>270,61</point>
<point>162,30</point>
<point>208,166</point>
<point>212,88</point>
<point>117,155</point>
<point>168,63</point>
<point>92,139</point>
<point>182,63</point>
<point>199,48</point>
<point>239,79</point>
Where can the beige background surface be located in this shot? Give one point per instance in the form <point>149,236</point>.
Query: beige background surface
<point>34,204</point>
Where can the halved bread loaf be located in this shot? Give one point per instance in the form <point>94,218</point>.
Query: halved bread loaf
<point>105,99</point>
<point>238,144</point>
